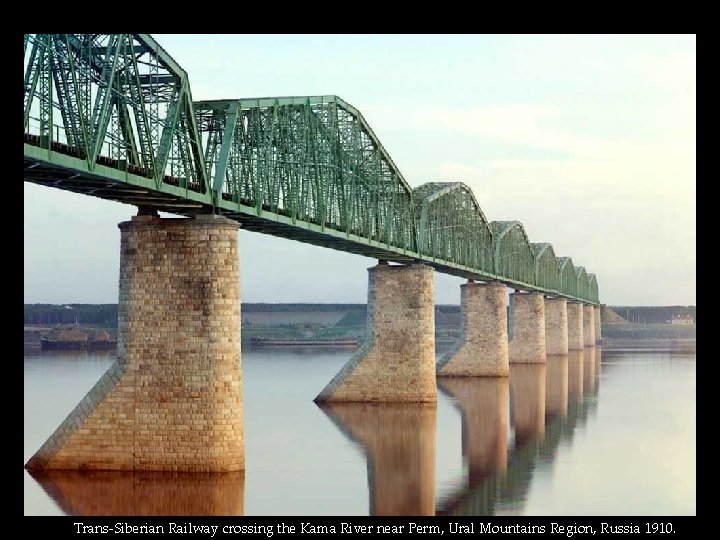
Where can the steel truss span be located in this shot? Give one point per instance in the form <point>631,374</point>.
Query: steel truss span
<point>112,116</point>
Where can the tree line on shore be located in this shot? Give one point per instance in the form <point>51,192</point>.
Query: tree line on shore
<point>106,314</point>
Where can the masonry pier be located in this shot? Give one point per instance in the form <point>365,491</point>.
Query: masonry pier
<point>556,326</point>
<point>482,350</point>
<point>172,401</point>
<point>528,343</point>
<point>589,325</point>
<point>575,326</point>
<point>397,361</point>
<point>598,326</point>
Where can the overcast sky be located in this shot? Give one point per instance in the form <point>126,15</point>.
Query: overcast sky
<point>589,141</point>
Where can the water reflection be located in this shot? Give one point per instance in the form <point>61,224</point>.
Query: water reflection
<point>575,375</point>
<point>399,442</point>
<point>544,413</point>
<point>484,406</point>
<point>527,395</point>
<point>116,493</point>
<point>556,386</point>
<point>589,365</point>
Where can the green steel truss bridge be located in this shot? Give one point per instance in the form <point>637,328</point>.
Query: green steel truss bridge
<point>112,116</point>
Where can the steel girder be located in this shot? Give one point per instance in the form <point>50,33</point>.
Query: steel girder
<point>452,226</point>
<point>311,159</point>
<point>568,277</point>
<point>111,115</point>
<point>115,101</point>
<point>593,293</point>
<point>583,286</point>
<point>547,270</point>
<point>513,255</point>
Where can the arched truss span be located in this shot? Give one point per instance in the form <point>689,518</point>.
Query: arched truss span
<point>583,286</point>
<point>547,270</point>
<point>312,159</point>
<point>593,293</point>
<point>513,255</point>
<point>112,116</point>
<point>452,226</point>
<point>568,278</point>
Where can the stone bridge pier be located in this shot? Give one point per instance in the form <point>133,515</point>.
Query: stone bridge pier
<point>172,401</point>
<point>556,326</point>
<point>528,343</point>
<point>482,350</point>
<point>598,325</point>
<point>397,361</point>
<point>589,325</point>
<point>576,340</point>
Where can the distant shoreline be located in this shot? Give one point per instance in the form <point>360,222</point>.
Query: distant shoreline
<point>679,344</point>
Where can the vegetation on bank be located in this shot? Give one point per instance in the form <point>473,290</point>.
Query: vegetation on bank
<point>352,324</point>
<point>654,314</point>
<point>647,331</point>
<point>104,315</point>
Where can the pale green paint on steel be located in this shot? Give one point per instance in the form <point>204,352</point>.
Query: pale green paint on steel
<point>547,270</point>
<point>513,255</point>
<point>123,102</point>
<point>452,226</point>
<point>111,115</point>
<point>583,286</point>
<point>568,278</point>
<point>592,286</point>
<point>310,159</point>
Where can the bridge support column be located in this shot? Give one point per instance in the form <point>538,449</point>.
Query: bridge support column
<point>556,326</point>
<point>397,361</point>
<point>598,326</point>
<point>528,342</point>
<point>589,326</point>
<point>576,340</point>
<point>482,350</point>
<point>173,399</point>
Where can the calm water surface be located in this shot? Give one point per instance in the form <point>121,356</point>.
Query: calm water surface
<point>594,433</point>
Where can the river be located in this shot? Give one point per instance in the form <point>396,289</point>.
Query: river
<point>599,432</point>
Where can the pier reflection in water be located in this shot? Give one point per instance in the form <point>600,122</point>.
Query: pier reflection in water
<point>543,412</point>
<point>399,442</point>
<point>575,375</point>
<point>556,386</point>
<point>589,367</point>
<point>120,493</point>
<point>536,443</point>
<point>484,404</point>
<point>527,398</point>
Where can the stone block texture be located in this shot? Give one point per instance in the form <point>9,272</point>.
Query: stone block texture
<point>598,325</point>
<point>528,343</point>
<point>397,361</point>
<point>173,399</point>
<point>589,326</point>
<point>482,350</point>
<point>576,340</point>
<point>556,326</point>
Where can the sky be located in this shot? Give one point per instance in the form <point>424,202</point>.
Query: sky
<point>588,140</point>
